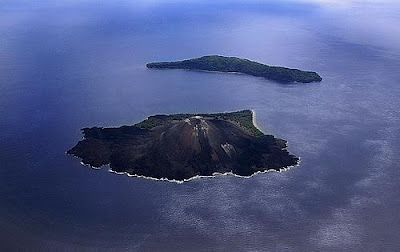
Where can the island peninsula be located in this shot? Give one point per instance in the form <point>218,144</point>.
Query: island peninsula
<point>237,65</point>
<point>182,146</point>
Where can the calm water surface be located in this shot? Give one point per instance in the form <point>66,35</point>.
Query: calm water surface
<point>66,65</point>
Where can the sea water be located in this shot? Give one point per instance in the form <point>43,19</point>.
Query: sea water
<point>65,65</point>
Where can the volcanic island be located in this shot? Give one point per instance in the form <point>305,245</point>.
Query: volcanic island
<point>217,63</point>
<point>182,146</point>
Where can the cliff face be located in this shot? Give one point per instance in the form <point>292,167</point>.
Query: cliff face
<point>181,149</point>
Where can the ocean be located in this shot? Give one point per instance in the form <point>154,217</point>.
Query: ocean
<point>66,65</point>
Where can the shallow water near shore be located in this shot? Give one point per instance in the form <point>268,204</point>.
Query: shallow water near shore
<point>69,65</point>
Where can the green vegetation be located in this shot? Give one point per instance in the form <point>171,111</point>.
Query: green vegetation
<point>238,65</point>
<point>243,119</point>
<point>185,145</point>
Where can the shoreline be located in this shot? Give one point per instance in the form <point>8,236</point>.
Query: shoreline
<point>214,175</point>
<point>253,117</point>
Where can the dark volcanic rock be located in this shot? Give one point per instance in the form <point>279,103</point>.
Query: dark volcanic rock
<point>183,146</point>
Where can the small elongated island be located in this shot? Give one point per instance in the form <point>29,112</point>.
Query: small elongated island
<point>237,65</point>
<point>182,146</point>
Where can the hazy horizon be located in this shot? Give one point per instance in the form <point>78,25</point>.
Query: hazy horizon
<point>66,65</point>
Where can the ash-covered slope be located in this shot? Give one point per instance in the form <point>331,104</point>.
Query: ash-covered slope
<point>183,146</point>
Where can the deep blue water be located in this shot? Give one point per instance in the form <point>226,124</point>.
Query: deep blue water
<point>66,65</point>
